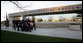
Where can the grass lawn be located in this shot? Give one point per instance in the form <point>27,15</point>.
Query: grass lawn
<point>7,36</point>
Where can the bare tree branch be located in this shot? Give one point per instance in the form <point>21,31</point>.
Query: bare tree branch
<point>16,4</point>
<point>19,5</point>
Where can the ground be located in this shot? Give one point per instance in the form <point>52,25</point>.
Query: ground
<point>53,32</point>
<point>7,36</point>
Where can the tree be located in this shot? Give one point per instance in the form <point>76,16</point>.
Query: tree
<point>19,5</point>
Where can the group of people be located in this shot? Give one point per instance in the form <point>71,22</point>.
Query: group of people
<point>26,24</point>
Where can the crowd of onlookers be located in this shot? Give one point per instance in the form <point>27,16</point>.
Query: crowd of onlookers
<point>27,24</point>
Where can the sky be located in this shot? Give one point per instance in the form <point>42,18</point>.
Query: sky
<point>8,7</point>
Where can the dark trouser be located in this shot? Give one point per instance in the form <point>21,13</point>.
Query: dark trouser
<point>29,28</point>
<point>23,28</point>
<point>34,27</point>
<point>17,27</point>
<point>14,27</point>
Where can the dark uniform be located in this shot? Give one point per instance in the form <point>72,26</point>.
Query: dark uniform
<point>26,26</point>
<point>14,24</point>
<point>23,25</point>
<point>29,27</point>
<point>17,24</point>
<point>34,24</point>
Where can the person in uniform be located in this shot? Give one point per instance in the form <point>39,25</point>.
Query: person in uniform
<point>28,23</point>
<point>23,24</point>
<point>17,23</point>
<point>34,26</point>
<point>14,24</point>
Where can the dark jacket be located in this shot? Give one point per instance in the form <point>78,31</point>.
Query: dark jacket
<point>23,23</point>
<point>17,23</point>
<point>33,22</point>
<point>28,22</point>
<point>14,21</point>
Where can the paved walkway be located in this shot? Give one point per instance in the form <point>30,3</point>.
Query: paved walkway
<point>54,32</point>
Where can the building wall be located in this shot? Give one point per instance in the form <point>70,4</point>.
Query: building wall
<point>52,25</point>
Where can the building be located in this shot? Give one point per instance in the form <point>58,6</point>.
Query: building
<point>46,11</point>
<point>49,11</point>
